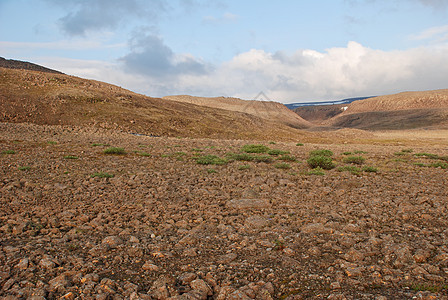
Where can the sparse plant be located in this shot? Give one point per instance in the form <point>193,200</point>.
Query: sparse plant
<point>369,169</point>
<point>244,167</point>
<point>252,148</point>
<point>9,152</point>
<point>316,171</point>
<point>211,171</point>
<point>262,158</point>
<point>321,161</point>
<point>145,154</point>
<point>358,160</point>
<point>287,158</point>
<point>407,150</point>
<point>347,153</point>
<point>272,143</point>
<point>400,153</point>
<point>279,245</point>
<point>427,155</point>
<point>299,144</point>
<point>71,157</point>
<point>24,168</point>
<point>352,169</point>
<point>102,175</point>
<point>439,164</point>
<point>321,152</point>
<point>283,166</point>
<point>210,160</point>
<point>359,152</point>
<point>277,152</point>
<point>52,143</point>
<point>196,150</point>
<point>114,151</point>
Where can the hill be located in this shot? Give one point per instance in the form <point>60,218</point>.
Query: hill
<point>17,64</point>
<point>58,99</point>
<point>269,110</point>
<point>399,111</point>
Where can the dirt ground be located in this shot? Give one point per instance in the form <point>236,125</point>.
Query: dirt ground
<point>76,223</point>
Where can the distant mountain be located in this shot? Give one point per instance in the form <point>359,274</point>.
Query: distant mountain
<point>335,102</point>
<point>17,64</point>
<point>268,110</point>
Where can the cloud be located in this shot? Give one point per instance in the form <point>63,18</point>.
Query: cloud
<point>150,56</point>
<point>91,15</point>
<point>154,69</point>
<point>437,34</point>
<point>436,4</point>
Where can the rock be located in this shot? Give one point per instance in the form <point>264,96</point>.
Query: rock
<point>256,222</point>
<point>316,228</point>
<point>47,263</point>
<point>113,241</point>
<point>227,258</point>
<point>58,283</point>
<point>133,239</point>
<point>186,278</point>
<point>150,266</point>
<point>202,287</point>
<point>248,203</point>
<point>23,264</point>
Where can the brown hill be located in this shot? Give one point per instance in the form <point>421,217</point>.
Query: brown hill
<point>317,114</point>
<point>17,64</point>
<point>269,110</point>
<point>57,99</point>
<point>405,110</point>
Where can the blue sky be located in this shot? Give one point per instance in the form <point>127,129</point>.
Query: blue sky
<point>292,50</point>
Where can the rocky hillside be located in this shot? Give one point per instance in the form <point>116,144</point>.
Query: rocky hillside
<point>57,99</point>
<point>17,64</point>
<point>269,110</point>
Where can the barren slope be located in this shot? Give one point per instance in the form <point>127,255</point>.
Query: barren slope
<point>400,111</point>
<point>270,110</point>
<point>43,98</point>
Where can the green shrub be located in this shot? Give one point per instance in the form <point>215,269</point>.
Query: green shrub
<point>210,160</point>
<point>321,152</point>
<point>9,152</point>
<point>407,150</point>
<point>244,167</point>
<point>428,155</point>
<point>321,161</point>
<point>347,153</point>
<point>370,169</point>
<point>439,164</point>
<point>102,175</point>
<point>114,151</point>
<point>277,152</point>
<point>351,169</point>
<point>287,158</point>
<point>251,148</point>
<point>24,168</point>
<point>272,143</point>
<point>359,160</point>
<point>71,157</point>
<point>359,152</point>
<point>52,143</point>
<point>283,166</point>
<point>145,154</point>
<point>299,144</point>
<point>316,171</point>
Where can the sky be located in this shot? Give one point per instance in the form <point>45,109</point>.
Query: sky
<point>292,50</point>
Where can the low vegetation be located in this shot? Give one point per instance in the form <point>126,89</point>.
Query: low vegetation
<point>321,159</point>
<point>102,175</point>
<point>252,148</point>
<point>358,160</point>
<point>114,151</point>
<point>210,160</point>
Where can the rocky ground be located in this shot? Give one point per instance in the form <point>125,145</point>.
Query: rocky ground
<point>166,227</point>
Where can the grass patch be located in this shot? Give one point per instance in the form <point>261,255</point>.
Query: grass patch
<point>347,153</point>
<point>52,143</point>
<point>114,151</point>
<point>282,165</point>
<point>210,160</point>
<point>321,152</point>
<point>427,155</point>
<point>145,154</point>
<point>434,288</point>
<point>24,168</point>
<point>244,167</point>
<point>407,150</point>
<point>252,148</point>
<point>352,169</point>
<point>320,161</point>
<point>369,169</point>
<point>287,158</point>
<point>359,152</point>
<point>71,157</point>
<point>249,157</point>
<point>9,152</point>
<point>102,175</point>
<point>196,150</point>
<point>439,164</point>
<point>358,160</point>
<point>316,171</point>
<point>211,171</point>
<point>277,152</point>
<point>272,143</point>
<point>299,144</point>
<point>262,158</point>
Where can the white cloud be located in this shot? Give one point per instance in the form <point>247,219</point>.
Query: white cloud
<point>225,18</point>
<point>304,75</point>
<point>438,34</point>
